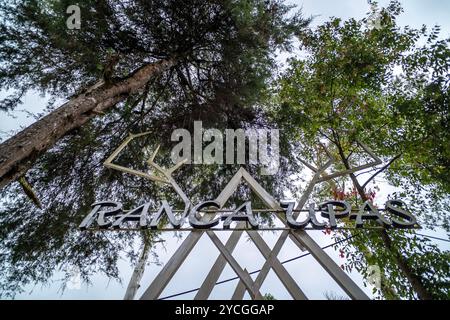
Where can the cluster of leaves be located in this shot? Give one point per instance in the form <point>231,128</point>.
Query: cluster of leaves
<point>383,87</point>
<point>343,194</point>
<point>366,248</point>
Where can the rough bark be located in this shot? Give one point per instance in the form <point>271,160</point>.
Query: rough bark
<point>414,279</point>
<point>18,153</point>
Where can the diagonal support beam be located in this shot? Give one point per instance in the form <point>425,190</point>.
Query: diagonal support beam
<point>217,269</point>
<point>243,275</point>
<point>342,278</point>
<point>171,267</point>
<point>272,262</point>
<point>240,290</point>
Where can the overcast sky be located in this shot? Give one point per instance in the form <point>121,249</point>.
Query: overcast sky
<point>306,271</point>
<point>417,12</point>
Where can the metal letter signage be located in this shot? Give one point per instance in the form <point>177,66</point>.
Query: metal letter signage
<point>111,215</point>
<point>210,216</point>
<point>107,214</point>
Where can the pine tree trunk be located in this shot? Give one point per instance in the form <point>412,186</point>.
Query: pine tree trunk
<point>18,153</point>
<point>413,279</point>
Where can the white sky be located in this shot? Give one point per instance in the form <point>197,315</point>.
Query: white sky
<point>310,276</point>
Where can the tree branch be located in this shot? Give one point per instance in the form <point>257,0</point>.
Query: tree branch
<point>18,153</point>
<point>381,170</point>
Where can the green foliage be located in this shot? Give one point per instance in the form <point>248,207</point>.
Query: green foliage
<point>378,86</point>
<point>212,43</point>
<point>387,87</point>
<point>269,296</point>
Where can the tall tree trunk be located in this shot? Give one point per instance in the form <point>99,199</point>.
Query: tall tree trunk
<point>138,272</point>
<point>414,279</point>
<point>18,153</point>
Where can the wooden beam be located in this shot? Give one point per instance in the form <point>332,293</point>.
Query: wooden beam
<point>272,262</point>
<point>244,276</point>
<point>342,279</point>
<point>217,269</point>
<point>171,267</point>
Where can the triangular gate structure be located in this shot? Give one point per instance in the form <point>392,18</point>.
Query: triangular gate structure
<point>246,283</point>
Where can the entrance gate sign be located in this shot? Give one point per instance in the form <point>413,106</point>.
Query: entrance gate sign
<point>211,216</point>
<point>110,215</point>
